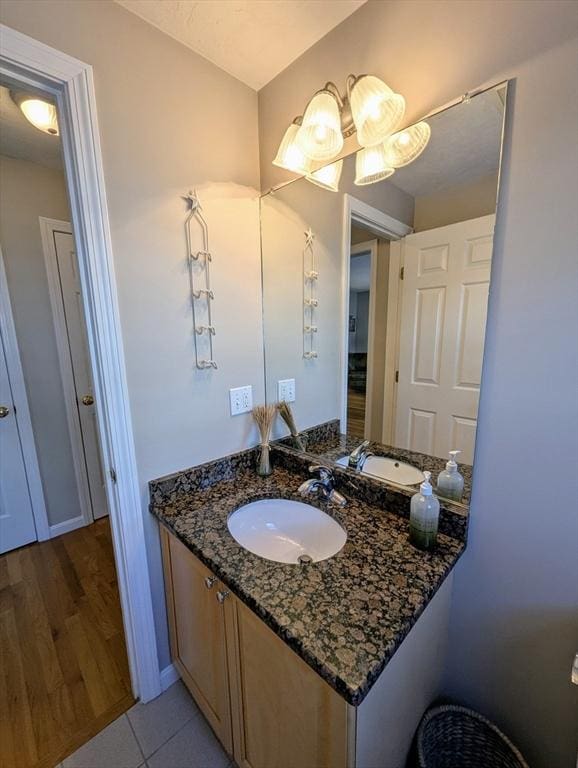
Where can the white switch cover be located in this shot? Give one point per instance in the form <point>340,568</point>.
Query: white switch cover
<point>286,390</point>
<point>241,400</point>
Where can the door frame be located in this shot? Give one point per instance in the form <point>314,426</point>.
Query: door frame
<point>20,401</point>
<point>30,64</point>
<point>382,225</point>
<point>392,341</point>
<point>47,229</point>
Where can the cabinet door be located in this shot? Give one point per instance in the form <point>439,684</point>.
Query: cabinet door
<point>197,634</point>
<point>284,714</point>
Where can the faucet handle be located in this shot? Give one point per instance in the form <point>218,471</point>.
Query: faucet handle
<point>325,473</point>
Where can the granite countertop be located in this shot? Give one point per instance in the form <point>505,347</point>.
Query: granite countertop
<point>327,445</point>
<point>344,616</point>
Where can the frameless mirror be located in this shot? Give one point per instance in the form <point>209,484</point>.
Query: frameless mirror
<point>375,301</point>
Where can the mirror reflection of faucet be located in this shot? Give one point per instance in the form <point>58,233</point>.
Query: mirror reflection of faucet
<point>358,456</point>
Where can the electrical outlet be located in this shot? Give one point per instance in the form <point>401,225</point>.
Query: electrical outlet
<point>286,390</point>
<point>241,400</point>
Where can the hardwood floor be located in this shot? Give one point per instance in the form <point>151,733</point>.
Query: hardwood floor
<point>356,413</point>
<point>63,665</point>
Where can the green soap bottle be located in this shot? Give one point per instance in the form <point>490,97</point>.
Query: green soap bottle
<point>424,516</point>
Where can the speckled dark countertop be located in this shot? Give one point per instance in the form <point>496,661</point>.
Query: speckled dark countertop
<point>345,616</point>
<point>326,444</point>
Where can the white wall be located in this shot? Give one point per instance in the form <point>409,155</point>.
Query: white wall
<point>170,121</point>
<point>515,617</point>
<point>27,191</point>
<point>458,203</point>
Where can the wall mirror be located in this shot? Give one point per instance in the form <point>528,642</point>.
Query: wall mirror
<point>375,299</point>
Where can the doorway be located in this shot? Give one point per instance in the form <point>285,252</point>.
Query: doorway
<point>25,63</point>
<point>362,294</point>
<point>61,264</point>
<point>370,302</point>
<point>65,665</point>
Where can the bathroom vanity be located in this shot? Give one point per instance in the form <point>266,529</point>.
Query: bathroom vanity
<point>327,664</point>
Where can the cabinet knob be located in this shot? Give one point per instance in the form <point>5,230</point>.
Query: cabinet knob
<point>4,411</point>
<point>210,581</point>
<point>222,596</point>
<point>88,400</point>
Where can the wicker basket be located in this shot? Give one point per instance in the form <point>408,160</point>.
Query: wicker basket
<point>450,736</point>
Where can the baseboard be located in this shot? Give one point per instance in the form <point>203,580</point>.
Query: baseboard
<point>169,675</point>
<point>66,526</point>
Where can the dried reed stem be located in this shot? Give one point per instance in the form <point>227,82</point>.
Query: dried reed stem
<point>287,415</point>
<point>264,416</point>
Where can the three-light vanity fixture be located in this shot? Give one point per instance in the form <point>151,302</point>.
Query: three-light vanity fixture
<point>371,109</point>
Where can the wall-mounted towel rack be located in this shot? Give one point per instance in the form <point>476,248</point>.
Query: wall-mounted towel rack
<point>310,300</point>
<point>202,295</point>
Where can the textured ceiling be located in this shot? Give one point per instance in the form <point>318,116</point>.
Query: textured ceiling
<point>465,145</point>
<point>253,40</point>
<point>20,139</point>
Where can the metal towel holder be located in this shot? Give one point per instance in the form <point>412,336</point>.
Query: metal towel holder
<point>310,301</point>
<point>200,287</point>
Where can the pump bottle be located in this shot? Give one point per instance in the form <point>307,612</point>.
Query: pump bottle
<point>424,516</point>
<point>450,482</point>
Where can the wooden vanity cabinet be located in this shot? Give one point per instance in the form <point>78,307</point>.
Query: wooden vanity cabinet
<point>197,634</point>
<point>268,708</point>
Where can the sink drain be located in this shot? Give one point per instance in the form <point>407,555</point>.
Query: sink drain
<point>304,559</point>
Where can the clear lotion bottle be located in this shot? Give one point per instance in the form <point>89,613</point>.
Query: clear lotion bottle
<point>424,516</point>
<point>450,482</point>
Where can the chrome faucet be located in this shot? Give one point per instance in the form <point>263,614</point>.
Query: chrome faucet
<point>358,456</point>
<point>324,485</point>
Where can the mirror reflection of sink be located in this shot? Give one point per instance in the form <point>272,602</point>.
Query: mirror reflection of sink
<point>284,530</point>
<point>385,468</point>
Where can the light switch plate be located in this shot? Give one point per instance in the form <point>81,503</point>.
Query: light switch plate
<point>241,400</point>
<point>286,390</point>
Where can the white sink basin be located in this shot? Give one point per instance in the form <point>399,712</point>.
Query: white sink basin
<point>388,469</point>
<point>284,530</point>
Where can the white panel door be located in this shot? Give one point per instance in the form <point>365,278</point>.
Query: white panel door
<point>78,344</point>
<point>443,324</point>
<point>16,517</point>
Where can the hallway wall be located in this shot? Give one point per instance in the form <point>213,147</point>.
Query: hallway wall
<point>27,191</point>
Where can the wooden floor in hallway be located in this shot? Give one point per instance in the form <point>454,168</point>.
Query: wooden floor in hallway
<point>63,664</point>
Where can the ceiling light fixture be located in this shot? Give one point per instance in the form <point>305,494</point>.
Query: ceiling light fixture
<point>371,165</point>
<point>327,177</point>
<point>406,146</point>
<point>371,109</point>
<point>376,110</point>
<point>320,135</point>
<point>290,155</point>
<point>42,114</point>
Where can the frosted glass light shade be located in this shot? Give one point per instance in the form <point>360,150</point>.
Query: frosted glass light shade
<point>406,146</point>
<point>376,110</point>
<point>41,114</point>
<point>290,155</point>
<point>327,177</point>
<point>371,165</point>
<point>320,135</point>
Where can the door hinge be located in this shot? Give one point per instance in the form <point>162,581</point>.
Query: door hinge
<point>112,474</point>
<point>396,377</point>
<point>401,271</point>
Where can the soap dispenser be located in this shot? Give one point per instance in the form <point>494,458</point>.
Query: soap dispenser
<point>424,516</point>
<point>450,482</point>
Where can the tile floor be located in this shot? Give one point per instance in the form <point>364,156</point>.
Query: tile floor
<point>169,732</point>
